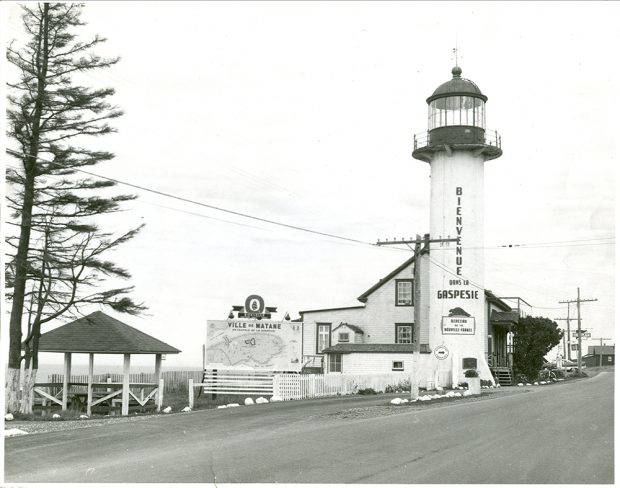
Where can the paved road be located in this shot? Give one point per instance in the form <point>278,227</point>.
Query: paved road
<point>559,434</point>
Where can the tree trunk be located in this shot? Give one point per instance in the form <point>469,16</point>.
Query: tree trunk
<point>21,257</point>
<point>27,400</point>
<point>12,389</point>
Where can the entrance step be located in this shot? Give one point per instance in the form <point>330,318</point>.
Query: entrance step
<point>503,375</point>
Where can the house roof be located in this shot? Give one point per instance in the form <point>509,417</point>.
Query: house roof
<point>102,334</point>
<point>354,328</point>
<point>364,296</point>
<point>368,348</point>
<point>330,309</point>
<point>503,317</point>
<point>496,301</point>
<point>596,350</point>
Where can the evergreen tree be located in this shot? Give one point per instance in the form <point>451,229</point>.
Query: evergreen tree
<point>57,260</point>
<point>533,338</point>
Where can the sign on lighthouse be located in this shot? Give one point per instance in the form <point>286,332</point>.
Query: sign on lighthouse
<point>457,145</point>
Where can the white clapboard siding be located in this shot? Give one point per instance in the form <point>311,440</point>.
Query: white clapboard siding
<point>368,363</point>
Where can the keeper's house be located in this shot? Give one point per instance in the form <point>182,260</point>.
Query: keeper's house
<point>377,336</point>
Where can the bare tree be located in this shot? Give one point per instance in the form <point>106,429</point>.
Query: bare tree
<point>57,253</point>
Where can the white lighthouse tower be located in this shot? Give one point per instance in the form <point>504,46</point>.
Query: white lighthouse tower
<point>456,144</point>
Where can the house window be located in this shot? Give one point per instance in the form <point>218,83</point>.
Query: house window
<point>343,337</point>
<point>323,337</point>
<point>404,293</point>
<point>404,333</point>
<point>398,366</point>
<point>335,363</point>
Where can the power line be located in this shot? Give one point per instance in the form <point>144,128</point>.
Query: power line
<point>206,205</point>
<point>299,228</point>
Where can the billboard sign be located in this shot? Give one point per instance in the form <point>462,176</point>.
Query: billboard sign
<point>253,344</point>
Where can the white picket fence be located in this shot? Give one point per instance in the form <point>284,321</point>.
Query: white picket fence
<point>295,386</point>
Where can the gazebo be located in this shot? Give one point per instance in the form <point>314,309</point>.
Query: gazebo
<point>99,333</point>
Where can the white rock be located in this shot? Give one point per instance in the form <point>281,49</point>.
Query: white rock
<point>425,398</point>
<point>14,432</point>
<point>56,416</point>
<point>404,400</point>
<point>457,394</point>
<point>543,382</point>
<point>435,396</point>
<point>275,398</point>
<point>84,417</point>
<point>467,393</point>
<point>528,384</point>
<point>396,401</point>
<point>167,409</point>
<point>261,400</point>
<point>221,406</point>
<point>560,379</point>
<point>186,409</point>
<point>536,383</point>
<point>520,384</point>
<point>8,417</point>
<point>231,405</point>
<point>248,401</point>
<point>439,388</point>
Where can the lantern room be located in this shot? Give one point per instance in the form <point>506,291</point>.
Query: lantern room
<point>457,119</point>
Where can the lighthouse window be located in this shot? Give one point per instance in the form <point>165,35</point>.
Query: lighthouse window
<point>467,111</point>
<point>404,293</point>
<point>456,110</point>
<point>479,120</point>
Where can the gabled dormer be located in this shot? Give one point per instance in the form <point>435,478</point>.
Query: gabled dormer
<point>347,334</point>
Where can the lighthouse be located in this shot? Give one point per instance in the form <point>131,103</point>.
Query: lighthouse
<point>456,144</point>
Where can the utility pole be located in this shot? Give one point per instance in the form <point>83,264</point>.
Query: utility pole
<point>579,301</point>
<point>568,319</point>
<point>415,359</point>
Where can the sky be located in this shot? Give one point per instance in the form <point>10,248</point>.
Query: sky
<point>304,114</point>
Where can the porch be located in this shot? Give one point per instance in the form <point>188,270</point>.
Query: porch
<point>500,345</point>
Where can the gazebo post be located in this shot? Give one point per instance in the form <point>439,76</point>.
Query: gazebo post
<point>89,398</point>
<point>157,375</point>
<point>66,380</point>
<point>125,394</point>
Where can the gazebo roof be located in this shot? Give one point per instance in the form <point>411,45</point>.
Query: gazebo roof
<point>99,333</point>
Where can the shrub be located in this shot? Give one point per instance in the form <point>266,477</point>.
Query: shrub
<point>367,391</point>
<point>471,373</point>
<point>487,382</point>
<point>404,385</point>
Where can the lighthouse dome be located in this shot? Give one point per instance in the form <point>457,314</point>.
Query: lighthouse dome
<point>457,86</point>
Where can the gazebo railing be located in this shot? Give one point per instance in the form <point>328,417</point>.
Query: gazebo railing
<point>85,396</point>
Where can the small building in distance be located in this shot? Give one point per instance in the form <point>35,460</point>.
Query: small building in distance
<point>600,356</point>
